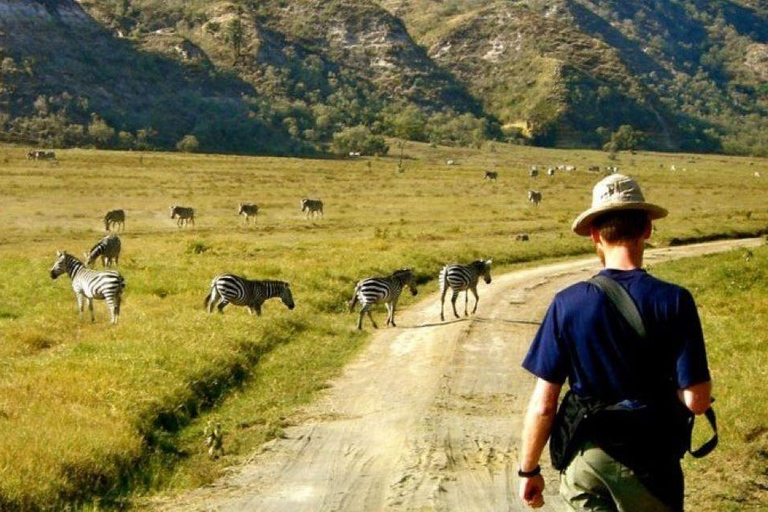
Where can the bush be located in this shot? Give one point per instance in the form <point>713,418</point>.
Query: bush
<point>359,139</point>
<point>188,144</point>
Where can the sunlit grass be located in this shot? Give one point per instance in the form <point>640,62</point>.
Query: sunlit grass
<point>93,409</point>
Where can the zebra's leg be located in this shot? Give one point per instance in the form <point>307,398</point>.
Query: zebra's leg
<point>257,308</point>
<point>224,303</point>
<point>466,301</point>
<point>80,304</point>
<point>392,314</point>
<point>477,299</point>
<point>375,326</point>
<point>90,308</point>
<point>454,296</point>
<point>442,304</point>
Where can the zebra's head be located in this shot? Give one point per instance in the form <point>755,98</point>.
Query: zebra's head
<point>89,258</point>
<point>286,296</point>
<point>173,211</point>
<point>60,266</point>
<point>483,268</point>
<point>304,204</point>
<point>407,278</point>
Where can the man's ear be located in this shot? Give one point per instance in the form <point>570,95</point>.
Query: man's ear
<point>594,234</point>
<point>648,230</point>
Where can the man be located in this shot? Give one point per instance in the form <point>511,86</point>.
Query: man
<point>584,339</point>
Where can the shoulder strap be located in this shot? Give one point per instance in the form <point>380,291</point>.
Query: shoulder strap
<point>620,298</point>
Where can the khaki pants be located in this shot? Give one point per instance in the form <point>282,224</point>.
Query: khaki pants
<point>594,481</point>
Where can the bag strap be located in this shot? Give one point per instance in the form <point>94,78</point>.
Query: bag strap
<point>621,299</point>
<point>707,447</point>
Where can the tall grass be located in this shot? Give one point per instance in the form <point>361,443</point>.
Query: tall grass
<point>93,410</point>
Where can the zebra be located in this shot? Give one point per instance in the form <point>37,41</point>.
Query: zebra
<point>534,196</point>
<point>313,207</point>
<point>463,278</point>
<point>109,250</point>
<point>91,284</point>
<point>376,290</point>
<point>249,210</point>
<point>491,175</point>
<point>114,218</point>
<point>533,173</point>
<point>185,215</point>
<point>231,289</point>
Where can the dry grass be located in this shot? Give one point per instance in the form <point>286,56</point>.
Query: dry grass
<point>91,409</point>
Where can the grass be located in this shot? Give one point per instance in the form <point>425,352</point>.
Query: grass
<point>93,412</point>
<point>731,291</point>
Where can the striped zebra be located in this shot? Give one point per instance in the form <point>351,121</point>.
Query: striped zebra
<point>313,207</point>
<point>185,215</point>
<point>109,250</point>
<point>231,289</point>
<point>491,175</point>
<point>114,218</point>
<point>462,278</point>
<point>534,196</point>
<point>376,290</point>
<point>89,284</point>
<point>249,210</point>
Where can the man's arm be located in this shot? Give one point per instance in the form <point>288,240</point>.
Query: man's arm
<point>537,426</point>
<point>697,398</point>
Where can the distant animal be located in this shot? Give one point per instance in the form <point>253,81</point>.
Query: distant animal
<point>185,215</point>
<point>450,162</point>
<point>757,174</point>
<point>550,172</point>
<point>462,278</point>
<point>41,155</point>
<point>248,210</point>
<point>312,207</point>
<point>570,168</point>
<point>594,168</point>
<point>231,289</point>
<point>107,285</point>
<point>491,175</point>
<point>522,237</point>
<point>611,169</point>
<point>533,173</point>
<point>672,168</point>
<point>354,153</point>
<point>534,196</point>
<point>114,218</point>
<point>378,290</point>
<point>109,250</point>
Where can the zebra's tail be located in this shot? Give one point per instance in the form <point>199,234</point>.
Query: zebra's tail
<point>443,278</point>
<point>208,299</point>
<point>353,300</point>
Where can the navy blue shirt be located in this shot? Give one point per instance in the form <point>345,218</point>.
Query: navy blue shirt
<point>585,340</point>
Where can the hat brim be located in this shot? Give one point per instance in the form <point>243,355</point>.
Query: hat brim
<point>583,223</point>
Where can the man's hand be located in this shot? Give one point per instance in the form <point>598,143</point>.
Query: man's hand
<point>531,491</point>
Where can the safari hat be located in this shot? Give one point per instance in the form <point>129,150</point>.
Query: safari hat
<point>614,193</point>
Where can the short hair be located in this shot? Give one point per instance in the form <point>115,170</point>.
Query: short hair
<point>622,225</point>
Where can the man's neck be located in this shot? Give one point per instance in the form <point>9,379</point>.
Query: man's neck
<point>623,257</point>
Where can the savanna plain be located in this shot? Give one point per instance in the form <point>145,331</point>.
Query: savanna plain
<point>94,415</point>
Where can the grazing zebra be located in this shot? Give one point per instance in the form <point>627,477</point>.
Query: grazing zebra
<point>231,289</point>
<point>491,175</point>
<point>462,278</point>
<point>533,173</point>
<point>534,196</point>
<point>376,290</point>
<point>90,284</point>
<point>313,207</point>
<point>550,172</point>
<point>185,215</point>
<point>109,250</point>
<point>249,210</point>
<point>114,218</point>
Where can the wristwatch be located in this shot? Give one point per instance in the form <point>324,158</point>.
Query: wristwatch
<point>529,474</point>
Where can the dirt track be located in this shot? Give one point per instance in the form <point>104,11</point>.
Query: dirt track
<point>428,417</point>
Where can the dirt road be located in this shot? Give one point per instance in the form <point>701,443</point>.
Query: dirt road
<point>428,417</point>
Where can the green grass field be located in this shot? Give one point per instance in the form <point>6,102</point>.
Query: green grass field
<point>94,411</point>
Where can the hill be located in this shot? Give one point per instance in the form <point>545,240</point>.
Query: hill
<point>295,77</point>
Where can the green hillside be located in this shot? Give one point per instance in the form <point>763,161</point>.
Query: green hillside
<point>309,76</point>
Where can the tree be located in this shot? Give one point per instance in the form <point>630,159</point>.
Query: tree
<point>625,138</point>
<point>359,139</point>
<point>235,34</point>
<point>188,144</point>
<point>100,132</point>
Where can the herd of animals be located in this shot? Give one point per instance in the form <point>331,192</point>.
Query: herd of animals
<point>108,285</point>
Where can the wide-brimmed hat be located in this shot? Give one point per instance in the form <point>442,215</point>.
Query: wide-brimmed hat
<point>616,192</point>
